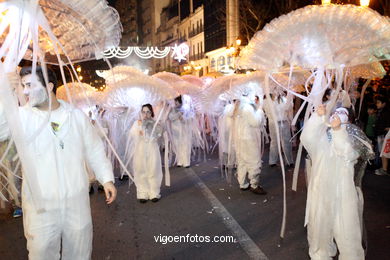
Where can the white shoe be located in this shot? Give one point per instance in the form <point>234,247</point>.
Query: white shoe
<point>381,172</point>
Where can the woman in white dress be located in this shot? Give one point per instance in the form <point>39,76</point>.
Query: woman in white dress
<point>147,159</point>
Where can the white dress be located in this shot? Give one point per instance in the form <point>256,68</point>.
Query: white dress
<point>146,160</point>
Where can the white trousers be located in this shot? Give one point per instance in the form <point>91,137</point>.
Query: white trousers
<point>248,163</point>
<point>253,175</point>
<point>45,232</point>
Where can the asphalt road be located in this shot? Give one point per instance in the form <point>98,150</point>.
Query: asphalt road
<point>200,202</point>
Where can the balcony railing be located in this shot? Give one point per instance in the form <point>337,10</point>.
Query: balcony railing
<point>195,32</point>
<point>197,56</point>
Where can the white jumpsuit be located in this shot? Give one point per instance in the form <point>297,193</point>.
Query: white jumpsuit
<point>146,162</point>
<point>59,159</point>
<point>247,140</point>
<point>332,199</point>
<point>181,137</point>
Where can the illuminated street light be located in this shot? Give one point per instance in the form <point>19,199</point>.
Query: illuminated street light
<point>78,69</point>
<point>81,78</point>
<point>365,3</point>
<point>326,2</point>
<point>238,42</point>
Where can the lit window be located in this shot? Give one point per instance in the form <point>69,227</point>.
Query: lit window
<point>212,63</point>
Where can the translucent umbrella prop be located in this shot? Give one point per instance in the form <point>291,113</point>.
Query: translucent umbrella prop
<point>118,73</point>
<point>184,86</point>
<point>48,31</point>
<point>313,38</point>
<point>82,95</point>
<point>131,93</point>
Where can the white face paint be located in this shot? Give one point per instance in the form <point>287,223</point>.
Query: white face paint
<point>34,90</point>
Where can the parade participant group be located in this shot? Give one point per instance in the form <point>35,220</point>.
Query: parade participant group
<point>143,125</point>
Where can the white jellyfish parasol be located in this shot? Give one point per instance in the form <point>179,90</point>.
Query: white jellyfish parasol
<point>118,73</point>
<point>82,95</point>
<point>183,86</point>
<point>194,80</point>
<point>49,32</point>
<point>124,99</point>
<point>192,106</point>
<point>313,38</point>
<point>137,89</point>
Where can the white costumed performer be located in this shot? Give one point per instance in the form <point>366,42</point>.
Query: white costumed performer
<point>180,119</point>
<point>60,145</point>
<point>247,119</point>
<point>146,157</point>
<point>332,199</point>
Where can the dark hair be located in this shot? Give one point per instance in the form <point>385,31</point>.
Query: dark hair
<point>52,78</point>
<point>381,98</point>
<point>371,106</point>
<point>150,108</point>
<point>179,99</point>
<point>327,92</point>
<point>351,114</point>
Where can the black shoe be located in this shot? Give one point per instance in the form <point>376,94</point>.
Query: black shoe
<point>247,188</point>
<point>187,167</point>
<point>124,177</point>
<point>258,190</point>
<point>91,190</point>
<point>290,165</point>
<point>272,165</point>
<point>155,199</point>
<point>142,201</point>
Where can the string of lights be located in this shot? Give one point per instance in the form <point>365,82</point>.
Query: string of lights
<point>179,52</point>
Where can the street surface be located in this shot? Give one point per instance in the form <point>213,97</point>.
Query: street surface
<point>202,203</point>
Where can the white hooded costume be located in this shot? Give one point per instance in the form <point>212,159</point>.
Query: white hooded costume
<point>181,131</point>
<point>247,142</point>
<point>60,152</point>
<point>332,199</point>
<point>146,159</point>
<point>283,108</point>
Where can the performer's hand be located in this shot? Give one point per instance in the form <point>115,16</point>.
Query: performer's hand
<point>321,110</point>
<point>141,133</point>
<point>335,122</point>
<point>110,191</point>
<point>139,122</point>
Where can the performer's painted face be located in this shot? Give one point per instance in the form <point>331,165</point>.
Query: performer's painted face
<point>146,113</point>
<point>34,90</point>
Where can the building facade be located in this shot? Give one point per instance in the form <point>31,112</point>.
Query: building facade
<point>209,29</point>
<point>128,14</point>
<point>222,43</point>
<point>192,33</point>
<point>168,36</point>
